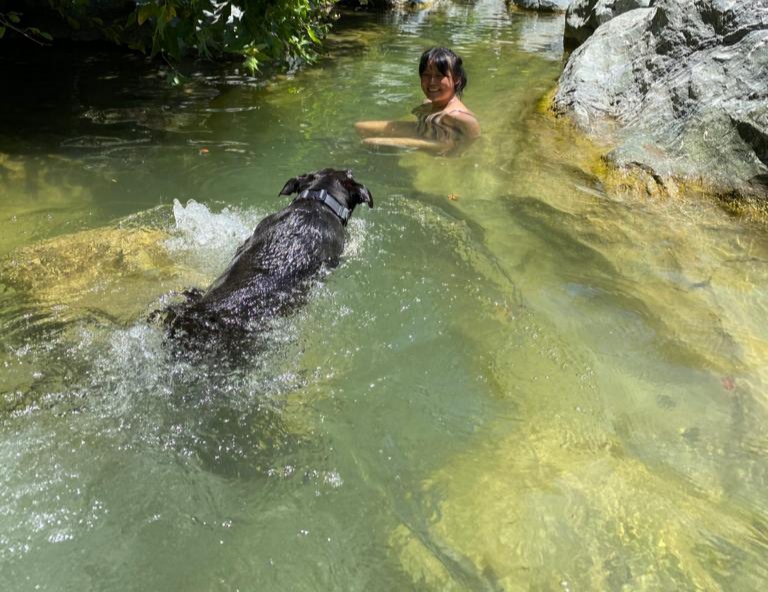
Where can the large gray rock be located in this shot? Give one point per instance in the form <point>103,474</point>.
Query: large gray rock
<point>682,87</point>
<point>543,5</point>
<point>584,16</point>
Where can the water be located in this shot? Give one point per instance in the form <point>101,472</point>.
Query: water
<point>545,384</point>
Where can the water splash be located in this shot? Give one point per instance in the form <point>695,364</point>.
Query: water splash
<point>207,239</point>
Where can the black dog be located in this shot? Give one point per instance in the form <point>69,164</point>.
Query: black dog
<point>271,272</point>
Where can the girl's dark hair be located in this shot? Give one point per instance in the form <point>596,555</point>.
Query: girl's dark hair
<point>446,62</point>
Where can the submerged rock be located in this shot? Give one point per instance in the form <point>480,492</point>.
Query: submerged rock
<point>105,272</point>
<point>680,87</point>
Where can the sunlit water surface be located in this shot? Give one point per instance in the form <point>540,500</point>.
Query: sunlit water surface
<point>536,385</point>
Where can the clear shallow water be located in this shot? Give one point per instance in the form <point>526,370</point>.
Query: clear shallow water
<point>541,385</point>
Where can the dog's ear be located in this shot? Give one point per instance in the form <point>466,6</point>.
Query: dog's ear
<point>359,193</point>
<point>362,195</point>
<point>296,184</point>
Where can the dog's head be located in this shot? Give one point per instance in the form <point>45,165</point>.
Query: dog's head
<point>339,183</point>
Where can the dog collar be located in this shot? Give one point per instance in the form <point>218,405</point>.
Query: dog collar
<point>323,196</point>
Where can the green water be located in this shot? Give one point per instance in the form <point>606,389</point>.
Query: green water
<point>541,385</point>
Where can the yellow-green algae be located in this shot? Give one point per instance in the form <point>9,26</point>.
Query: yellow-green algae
<point>115,271</point>
<point>559,499</point>
<point>521,505</point>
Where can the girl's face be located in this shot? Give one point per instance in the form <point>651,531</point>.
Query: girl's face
<point>438,88</point>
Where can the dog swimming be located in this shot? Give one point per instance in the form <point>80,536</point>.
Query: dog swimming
<point>271,271</point>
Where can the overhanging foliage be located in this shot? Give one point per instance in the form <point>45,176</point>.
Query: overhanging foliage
<point>276,31</point>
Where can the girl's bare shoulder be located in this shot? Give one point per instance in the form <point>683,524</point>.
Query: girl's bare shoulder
<point>463,118</point>
<point>459,110</point>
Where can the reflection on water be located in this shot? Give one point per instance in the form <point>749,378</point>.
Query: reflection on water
<point>541,383</point>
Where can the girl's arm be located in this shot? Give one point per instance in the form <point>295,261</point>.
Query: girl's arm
<point>398,134</point>
<point>404,134</point>
<point>367,129</point>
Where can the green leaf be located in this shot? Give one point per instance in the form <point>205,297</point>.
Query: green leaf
<point>2,32</point>
<point>145,12</point>
<point>14,17</point>
<point>252,64</point>
<point>312,35</point>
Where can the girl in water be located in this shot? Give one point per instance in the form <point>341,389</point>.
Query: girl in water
<point>443,123</point>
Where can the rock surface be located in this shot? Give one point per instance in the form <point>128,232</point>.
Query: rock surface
<point>584,16</point>
<point>543,5</point>
<point>682,88</point>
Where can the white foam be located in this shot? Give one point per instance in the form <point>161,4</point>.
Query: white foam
<point>357,232</point>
